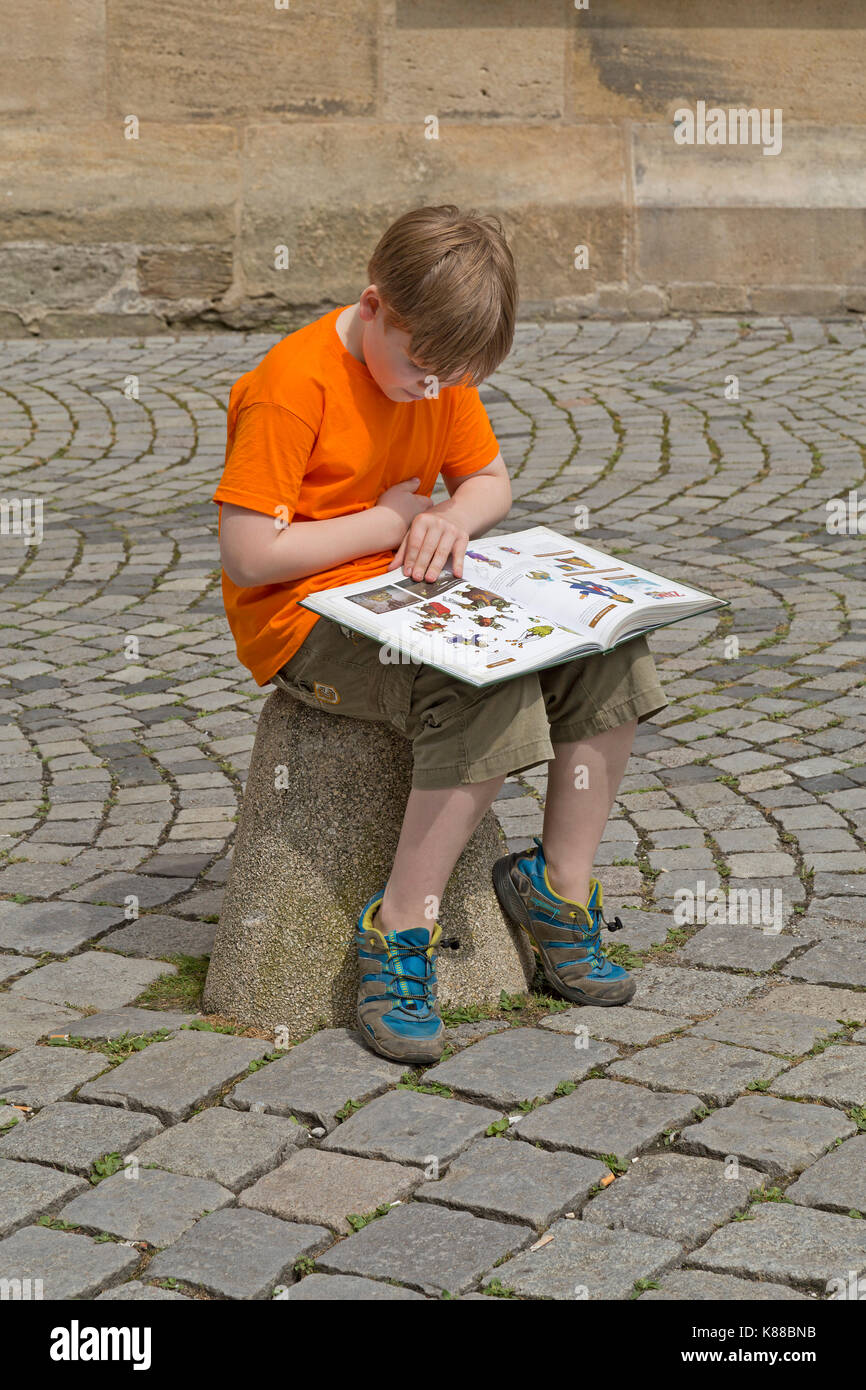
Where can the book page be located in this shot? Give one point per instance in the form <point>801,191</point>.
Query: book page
<point>597,596</point>
<point>451,623</point>
<point>526,600</point>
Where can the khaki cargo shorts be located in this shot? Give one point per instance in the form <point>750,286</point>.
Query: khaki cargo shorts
<point>461,733</point>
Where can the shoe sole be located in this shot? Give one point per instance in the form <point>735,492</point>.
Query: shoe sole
<point>516,911</point>
<point>375,1046</point>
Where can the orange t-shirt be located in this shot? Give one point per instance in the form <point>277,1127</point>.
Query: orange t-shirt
<point>311,436</point>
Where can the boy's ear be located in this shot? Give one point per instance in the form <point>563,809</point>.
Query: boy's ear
<point>369,303</point>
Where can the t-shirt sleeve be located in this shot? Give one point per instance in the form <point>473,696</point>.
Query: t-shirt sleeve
<point>266,462</point>
<point>472,444</point>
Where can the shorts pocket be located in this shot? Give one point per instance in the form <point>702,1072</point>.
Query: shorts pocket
<point>291,678</point>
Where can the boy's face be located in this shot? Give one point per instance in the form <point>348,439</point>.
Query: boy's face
<point>386,354</point>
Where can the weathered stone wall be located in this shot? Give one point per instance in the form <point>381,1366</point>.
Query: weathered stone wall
<point>306,128</point>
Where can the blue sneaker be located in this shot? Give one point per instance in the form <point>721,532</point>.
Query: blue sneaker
<point>398,1012</point>
<point>566,935</point>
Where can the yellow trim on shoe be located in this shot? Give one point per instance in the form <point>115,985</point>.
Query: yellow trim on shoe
<point>572,902</point>
<point>434,934</point>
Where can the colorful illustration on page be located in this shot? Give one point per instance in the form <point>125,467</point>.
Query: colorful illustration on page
<point>574,562</point>
<point>427,625</point>
<point>385,600</point>
<point>422,589</point>
<point>481,598</point>
<point>647,586</point>
<point>602,612</point>
<point>586,588</point>
<point>485,559</point>
<point>539,629</point>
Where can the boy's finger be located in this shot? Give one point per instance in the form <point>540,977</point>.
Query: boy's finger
<point>443,550</point>
<point>398,555</point>
<point>425,553</point>
<point>459,554</point>
<point>412,542</point>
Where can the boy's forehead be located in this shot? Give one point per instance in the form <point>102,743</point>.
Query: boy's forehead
<point>403,340</point>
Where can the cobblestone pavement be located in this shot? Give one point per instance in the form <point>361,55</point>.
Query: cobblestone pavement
<point>705,1141</point>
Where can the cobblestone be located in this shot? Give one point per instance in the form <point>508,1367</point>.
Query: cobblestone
<point>24,1021</point>
<point>122,779</point>
<point>588,1261</point>
<point>317,1078</point>
<point>515,1182</point>
<point>836,1076</point>
<point>229,1147</point>
<point>789,1034</point>
<point>680,990</point>
<point>412,1127</point>
<point>622,1025</point>
<point>427,1247</point>
<point>57,927</point>
<point>741,948</point>
<point>781,1136</point>
<point>606,1117</point>
<point>788,1243</point>
<point>72,1135</point>
<point>831,963</point>
<point>692,1285</point>
<point>819,1001</point>
<point>837,1182</point>
<point>348,1288</point>
<point>69,1266</point>
<point>157,935</point>
<point>137,1292</point>
<point>519,1065</point>
<point>170,1078</point>
<point>145,1204</point>
<point>682,1199</point>
<point>239,1254</point>
<point>712,1070</point>
<point>92,980</point>
<point>29,1190</point>
<point>136,1022</point>
<point>36,1076</point>
<point>327,1188</point>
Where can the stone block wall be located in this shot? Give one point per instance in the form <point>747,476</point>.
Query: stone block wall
<point>191,164</point>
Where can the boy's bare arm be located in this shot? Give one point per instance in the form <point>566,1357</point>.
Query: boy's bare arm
<point>476,503</point>
<point>255,550</point>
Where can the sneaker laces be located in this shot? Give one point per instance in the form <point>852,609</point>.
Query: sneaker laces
<point>616,925</point>
<point>416,1002</point>
<point>593,942</point>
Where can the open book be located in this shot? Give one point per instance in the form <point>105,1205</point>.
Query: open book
<point>526,601</point>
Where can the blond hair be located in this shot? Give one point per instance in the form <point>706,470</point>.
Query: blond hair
<point>447,279</point>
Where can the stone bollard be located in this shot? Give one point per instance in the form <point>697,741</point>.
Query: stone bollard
<point>313,845</point>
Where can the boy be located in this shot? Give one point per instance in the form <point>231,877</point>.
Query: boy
<point>335,441</point>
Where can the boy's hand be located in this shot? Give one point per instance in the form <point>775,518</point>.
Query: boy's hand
<point>403,505</point>
<point>428,543</point>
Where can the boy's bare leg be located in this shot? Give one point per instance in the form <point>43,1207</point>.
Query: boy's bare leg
<point>436,828</point>
<point>575,815</point>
